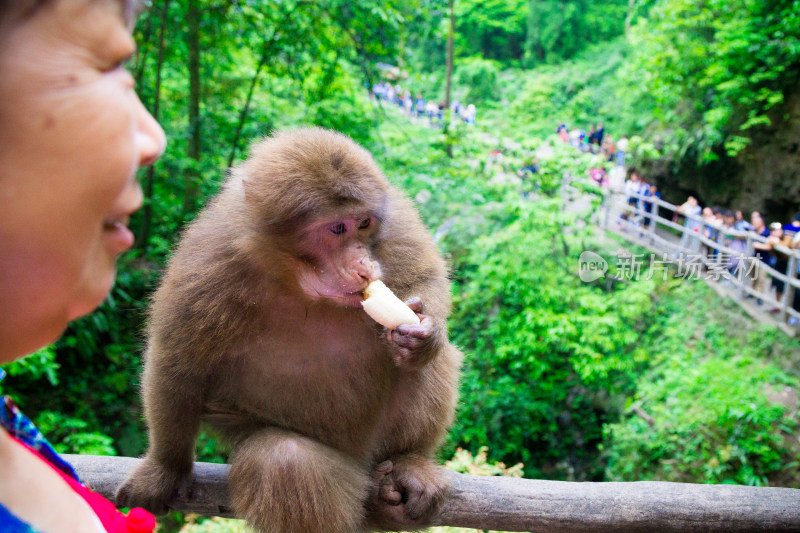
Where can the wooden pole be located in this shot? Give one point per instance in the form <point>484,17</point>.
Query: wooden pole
<point>746,265</point>
<point>191,175</point>
<point>446,111</point>
<point>788,288</point>
<point>508,504</point>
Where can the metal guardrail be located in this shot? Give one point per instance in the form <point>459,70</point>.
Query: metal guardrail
<point>642,227</point>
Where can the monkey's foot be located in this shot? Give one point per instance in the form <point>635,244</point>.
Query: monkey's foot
<point>152,487</point>
<point>406,493</point>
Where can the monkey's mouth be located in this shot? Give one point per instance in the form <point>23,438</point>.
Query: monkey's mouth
<point>353,298</point>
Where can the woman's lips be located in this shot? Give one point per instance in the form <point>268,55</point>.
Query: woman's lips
<point>118,237</point>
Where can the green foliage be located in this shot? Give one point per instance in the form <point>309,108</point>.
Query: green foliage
<point>560,29</point>
<point>493,29</point>
<point>580,92</point>
<point>477,465</point>
<point>559,160</point>
<point>541,345</point>
<point>40,364</point>
<point>711,398</point>
<point>352,115</point>
<point>71,435</point>
<point>717,69</point>
<point>641,154</point>
<point>199,524</point>
<point>480,76</point>
<point>713,424</point>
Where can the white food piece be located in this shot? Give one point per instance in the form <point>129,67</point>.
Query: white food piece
<point>385,308</point>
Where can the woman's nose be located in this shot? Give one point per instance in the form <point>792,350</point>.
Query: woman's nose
<point>150,137</point>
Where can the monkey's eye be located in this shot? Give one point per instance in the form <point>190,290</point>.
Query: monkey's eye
<point>338,229</point>
<point>364,224</point>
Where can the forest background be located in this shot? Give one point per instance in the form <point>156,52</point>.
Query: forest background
<point>648,379</point>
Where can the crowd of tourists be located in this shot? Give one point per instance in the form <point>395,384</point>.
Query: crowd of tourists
<point>595,141</point>
<point>728,228</point>
<point>420,108</point>
<point>724,226</point>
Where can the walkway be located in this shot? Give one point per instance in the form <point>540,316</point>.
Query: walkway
<point>726,264</point>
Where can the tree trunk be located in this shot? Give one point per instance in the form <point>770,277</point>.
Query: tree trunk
<point>141,51</point>
<point>192,175</point>
<point>629,18</point>
<point>143,235</point>
<point>266,53</point>
<point>448,144</point>
<point>246,107</point>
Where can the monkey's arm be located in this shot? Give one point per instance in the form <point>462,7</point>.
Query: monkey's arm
<point>173,404</point>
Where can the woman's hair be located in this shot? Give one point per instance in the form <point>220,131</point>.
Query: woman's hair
<point>12,11</point>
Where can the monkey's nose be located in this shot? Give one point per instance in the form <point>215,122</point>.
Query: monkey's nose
<point>368,269</point>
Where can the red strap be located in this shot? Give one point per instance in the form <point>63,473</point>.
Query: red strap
<point>137,521</point>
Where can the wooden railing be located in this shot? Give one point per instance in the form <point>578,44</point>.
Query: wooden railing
<point>680,242</point>
<point>509,504</point>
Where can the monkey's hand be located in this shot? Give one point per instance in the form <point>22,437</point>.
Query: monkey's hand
<point>152,486</point>
<point>413,345</point>
<point>406,494</point>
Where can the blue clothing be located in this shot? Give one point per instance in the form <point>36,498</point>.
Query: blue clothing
<point>20,427</point>
<point>11,524</point>
<point>791,229</point>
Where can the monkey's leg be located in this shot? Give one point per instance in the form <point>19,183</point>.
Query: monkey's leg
<point>173,403</point>
<point>407,486</point>
<point>282,482</point>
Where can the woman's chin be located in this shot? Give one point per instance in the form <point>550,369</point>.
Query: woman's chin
<point>92,296</point>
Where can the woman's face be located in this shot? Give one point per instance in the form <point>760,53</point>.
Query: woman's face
<point>72,134</point>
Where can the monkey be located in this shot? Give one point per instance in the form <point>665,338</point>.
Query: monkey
<point>256,330</point>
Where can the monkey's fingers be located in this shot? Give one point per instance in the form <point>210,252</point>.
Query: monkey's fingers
<point>419,499</point>
<point>385,485</point>
<point>422,331</point>
<point>382,470</point>
<point>408,342</point>
<point>389,494</point>
<point>415,304</point>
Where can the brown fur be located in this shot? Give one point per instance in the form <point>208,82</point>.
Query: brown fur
<point>332,421</point>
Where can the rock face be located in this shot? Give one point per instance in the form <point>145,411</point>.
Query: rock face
<point>771,170</point>
<point>765,177</point>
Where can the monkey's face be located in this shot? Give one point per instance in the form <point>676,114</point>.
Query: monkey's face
<point>335,260</point>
